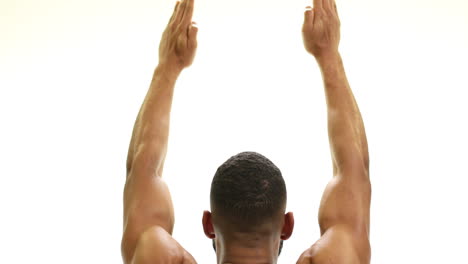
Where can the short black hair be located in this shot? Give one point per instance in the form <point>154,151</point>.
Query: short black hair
<point>247,190</point>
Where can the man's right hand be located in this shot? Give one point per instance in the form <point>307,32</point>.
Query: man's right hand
<point>179,41</point>
<point>321,29</point>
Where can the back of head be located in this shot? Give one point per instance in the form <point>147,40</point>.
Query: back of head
<point>248,190</point>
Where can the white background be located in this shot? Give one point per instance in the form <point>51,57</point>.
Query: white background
<point>73,75</point>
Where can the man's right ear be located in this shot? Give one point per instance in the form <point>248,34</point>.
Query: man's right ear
<point>288,226</point>
<point>208,225</point>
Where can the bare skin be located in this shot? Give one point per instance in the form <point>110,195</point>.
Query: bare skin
<point>148,209</point>
<point>345,207</point>
<point>344,210</point>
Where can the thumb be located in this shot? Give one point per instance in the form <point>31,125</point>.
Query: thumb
<point>193,31</point>
<point>309,15</point>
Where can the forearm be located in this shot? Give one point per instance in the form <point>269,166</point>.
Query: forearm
<point>346,131</point>
<point>148,145</point>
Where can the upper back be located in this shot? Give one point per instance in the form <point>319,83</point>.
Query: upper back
<point>155,245</point>
<point>338,246</point>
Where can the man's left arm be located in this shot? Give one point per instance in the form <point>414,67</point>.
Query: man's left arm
<point>147,201</point>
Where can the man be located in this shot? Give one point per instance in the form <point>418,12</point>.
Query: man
<point>248,196</point>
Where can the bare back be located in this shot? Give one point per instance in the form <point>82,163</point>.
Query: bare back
<point>345,206</point>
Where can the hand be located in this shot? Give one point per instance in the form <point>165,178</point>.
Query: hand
<point>321,29</point>
<point>179,41</point>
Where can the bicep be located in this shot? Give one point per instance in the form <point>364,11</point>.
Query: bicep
<point>346,201</point>
<point>344,217</point>
<point>147,203</point>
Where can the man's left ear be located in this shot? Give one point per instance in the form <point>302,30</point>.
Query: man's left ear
<point>288,226</point>
<point>208,225</point>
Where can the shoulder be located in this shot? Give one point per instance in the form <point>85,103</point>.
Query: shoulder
<point>155,245</point>
<point>338,245</point>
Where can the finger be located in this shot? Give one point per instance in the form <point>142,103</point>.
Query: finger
<point>309,15</point>
<point>327,6</point>
<point>318,5</point>
<point>175,11</point>
<point>180,12</point>
<point>188,11</point>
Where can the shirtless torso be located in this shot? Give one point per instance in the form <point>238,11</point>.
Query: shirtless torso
<point>345,206</point>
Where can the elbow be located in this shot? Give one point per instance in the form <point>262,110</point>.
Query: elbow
<point>129,165</point>
<point>365,158</point>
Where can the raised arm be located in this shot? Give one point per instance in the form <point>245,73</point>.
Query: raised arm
<point>344,210</point>
<point>148,209</point>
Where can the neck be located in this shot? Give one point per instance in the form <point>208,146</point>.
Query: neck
<point>248,252</point>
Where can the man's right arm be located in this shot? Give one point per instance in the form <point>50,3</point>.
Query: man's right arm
<point>347,198</point>
<point>344,210</point>
<point>344,213</point>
